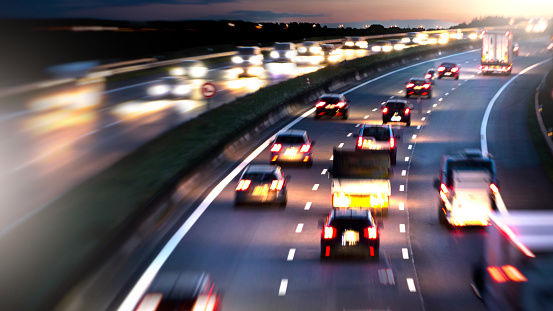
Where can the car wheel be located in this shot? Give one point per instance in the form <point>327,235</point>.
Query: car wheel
<point>441,215</point>
<point>408,123</point>
<point>393,159</point>
<point>316,117</point>
<point>345,115</point>
<point>384,121</point>
<point>406,95</point>
<point>456,77</point>
<point>439,77</point>
<point>323,257</point>
<point>376,256</point>
<point>384,211</point>
<point>430,95</point>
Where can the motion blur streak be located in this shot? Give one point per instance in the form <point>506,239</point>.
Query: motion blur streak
<point>146,279</point>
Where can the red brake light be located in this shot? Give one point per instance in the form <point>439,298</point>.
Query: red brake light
<point>340,104</point>
<point>494,188</point>
<point>329,232</point>
<point>320,104</point>
<point>392,143</point>
<point>370,233</point>
<point>428,76</point>
<point>243,185</point>
<point>426,85</point>
<point>454,69</point>
<point>441,68</point>
<point>360,141</point>
<point>385,110</point>
<point>407,110</point>
<point>276,148</point>
<point>444,188</point>
<point>277,185</point>
<point>410,85</point>
<point>305,148</point>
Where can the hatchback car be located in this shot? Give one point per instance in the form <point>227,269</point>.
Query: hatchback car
<point>180,290</point>
<point>418,87</point>
<point>448,70</point>
<point>431,75</point>
<point>292,146</point>
<point>261,184</point>
<point>332,105</point>
<point>170,88</point>
<point>350,231</point>
<point>396,110</point>
<point>377,137</point>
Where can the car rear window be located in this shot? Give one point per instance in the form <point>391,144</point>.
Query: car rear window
<point>348,223</point>
<point>330,100</point>
<point>289,140</point>
<point>260,176</point>
<point>379,133</point>
<point>396,105</point>
<point>418,82</point>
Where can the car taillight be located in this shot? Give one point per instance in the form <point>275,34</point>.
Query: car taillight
<point>444,188</point>
<point>409,85</point>
<point>305,148</point>
<point>494,188</point>
<point>426,85</point>
<point>360,141</point>
<point>370,233</point>
<point>392,143</point>
<point>341,104</point>
<point>441,68</point>
<point>329,232</point>
<point>320,104</point>
<point>454,69</point>
<point>407,110</point>
<point>277,185</point>
<point>428,76</point>
<point>385,110</point>
<point>243,184</point>
<point>276,148</point>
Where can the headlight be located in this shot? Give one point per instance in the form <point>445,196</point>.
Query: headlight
<point>158,90</point>
<point>315,49</point>
<point>197,72</point>
<point>237,60</point>
<point>254,71</point>
<point>255,60</point>
<point>387,48</point>
<point>290,54</point>
<point>178,71</point>
<point>349,43</point>
<point>302,49</point>
<point>362,45</point>
<point>376,48</point>
<point>274,54</point>
<point>405,40</point>
<point>181,90</point>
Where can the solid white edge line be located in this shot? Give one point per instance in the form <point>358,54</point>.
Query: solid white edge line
<point>148,276</point>
<point>483,136</point>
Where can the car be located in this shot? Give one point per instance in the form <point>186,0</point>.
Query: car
<point>262,183</point>
<point>355,43</point>
<point>332,53</point>
<point>382,46</point>
<point>516,49</point>
<point>350,231</point>
<point>170,88</point>
<point>249,59</point>
<point>284,52</point>
<point>418,87</point>
<point>431,75</point>
<point>180,290</point>
<point>464,160</point>
<point>309,53</point>
<point>396,110</point>
<point>377,137</point>
<point>292,146</point>
<point>332,104</point>
<point>193,69</point>
<point>448,70</point>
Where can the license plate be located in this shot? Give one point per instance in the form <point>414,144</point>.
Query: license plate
<point>448,73</point>
<point>396,118</point>
<point>418,87</point>
<point>260,190</point>
<point>350,237</point>
<point>329,107</point>
<point>291,152</point>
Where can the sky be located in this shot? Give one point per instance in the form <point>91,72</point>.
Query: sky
<point>350,13</point>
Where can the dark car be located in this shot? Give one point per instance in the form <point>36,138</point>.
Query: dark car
<point>292,146</point>
<point>448,70</point>
<point>418,87</point>
<point>430,75</point>
<point>396,110</point>
<point>467,159</point>
<point>350,231</point>
<point>170,88</point>
<point>180,290</point>
<point>332,105</point>
<point>377,137</point>
<point>261,184</point>
<point>283,52</point>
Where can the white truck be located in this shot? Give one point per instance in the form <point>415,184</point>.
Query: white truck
<point>360,179</point>
<point>497,52</point>
<point>516,271</point>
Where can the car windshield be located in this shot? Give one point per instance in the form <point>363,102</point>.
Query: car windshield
<point>246,51</point>
<point>283,46</point>
<point>289,139</point>
<point>379,133</point>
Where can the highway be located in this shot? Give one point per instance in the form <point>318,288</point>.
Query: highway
<point>265,258</point>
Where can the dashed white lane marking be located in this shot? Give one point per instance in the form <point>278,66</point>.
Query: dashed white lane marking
<point>366,117</point>
<point>435,105</point>
<point>112,124</point>
<point>446,94</point>
<point>453,89</point>
<point>418,127</point>
<point>341,145</point>
<point>440,99</point>
<point>403,172</point>
<point>472,76</point>
<point>299,228</point>
<point>315,186</point>
<point>291,254</point>
<point>411,285</point>
<point>349,134</point>
<point>399,92</point>
<point>429,111</point>
<point>324,171</point>
<point>459,83</point>
<point>410,147</point>
<point>375,109</point>
<point>402,228</point>
<point>401,206</point>
<point>423,118</point>
<point>307,206</point>
<point>414,136</point>
<point>401,188</point>
<point>406,159</point>
<point>282,288</point>
<point>357,125</point>
<point>403,250</point>
<point>467,62</point>
<point>331,157</point>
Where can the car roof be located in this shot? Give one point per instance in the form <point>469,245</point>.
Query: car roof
<point>431,69</point>
<point>403,101</point>
<point>333,95</point>
<point>449,64</point>
<point>417,79</point>
<point>261,168</point>
<point>292,133</point>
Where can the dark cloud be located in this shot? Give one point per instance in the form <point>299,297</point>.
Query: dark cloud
<point>263,16</point>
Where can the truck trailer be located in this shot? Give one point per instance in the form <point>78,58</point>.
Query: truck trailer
<point>497,52</point>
